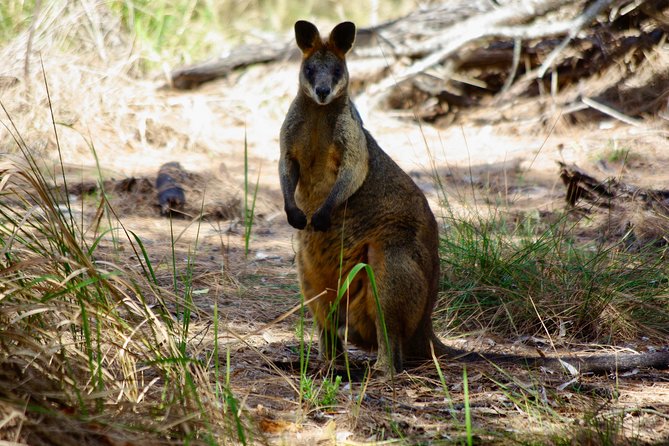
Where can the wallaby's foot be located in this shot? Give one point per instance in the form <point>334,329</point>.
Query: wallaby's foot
<point>383,368</point>
<point>329,345</point>
<point>388,363</point>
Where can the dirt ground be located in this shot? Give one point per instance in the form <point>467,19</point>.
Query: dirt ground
<point>512,165</point>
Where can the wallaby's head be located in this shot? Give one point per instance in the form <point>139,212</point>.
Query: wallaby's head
<point>323,75</point>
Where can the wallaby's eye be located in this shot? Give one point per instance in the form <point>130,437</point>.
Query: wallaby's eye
<point>337,72</point>
<point>308,71</point>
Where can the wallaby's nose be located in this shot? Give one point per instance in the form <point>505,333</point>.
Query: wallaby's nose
<point>322,92</point>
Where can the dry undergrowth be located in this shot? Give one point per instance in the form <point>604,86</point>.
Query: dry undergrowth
<point>141,329</point>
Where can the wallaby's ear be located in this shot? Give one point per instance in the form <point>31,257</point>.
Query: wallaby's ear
<point>343,36</point>
<point>306,35</point>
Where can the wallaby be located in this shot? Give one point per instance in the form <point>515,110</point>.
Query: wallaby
<point>352,204</point>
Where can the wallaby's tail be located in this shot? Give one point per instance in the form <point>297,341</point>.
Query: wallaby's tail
<point>607,363</point>
<point>426,345</point>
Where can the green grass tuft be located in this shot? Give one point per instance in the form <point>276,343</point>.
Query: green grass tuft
<point>540,280</point>
<point>15,17</point>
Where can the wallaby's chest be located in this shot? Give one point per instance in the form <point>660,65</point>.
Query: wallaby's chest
<point>319,159</point>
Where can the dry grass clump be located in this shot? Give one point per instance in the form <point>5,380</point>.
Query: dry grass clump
<point>84,357</point>
<point>102,97</point>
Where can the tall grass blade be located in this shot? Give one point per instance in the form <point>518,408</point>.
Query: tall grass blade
<point>249,212</point>
<point>372,281</point>
<point>468,413</point>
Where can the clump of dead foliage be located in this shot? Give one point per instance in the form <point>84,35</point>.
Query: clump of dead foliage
<point>637,216</point>
<point>502,61</point>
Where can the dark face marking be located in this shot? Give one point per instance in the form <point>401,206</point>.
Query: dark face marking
<point>324,76</point>
<point>309,72</point>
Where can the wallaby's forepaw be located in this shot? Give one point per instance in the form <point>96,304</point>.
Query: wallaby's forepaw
<point>321,220</point>
<point>296,218</point>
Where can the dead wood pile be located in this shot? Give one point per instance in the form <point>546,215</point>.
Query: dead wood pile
<point>502,60</point>
<point>636,215</point>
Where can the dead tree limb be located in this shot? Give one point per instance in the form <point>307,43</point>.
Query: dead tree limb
<point>414,35</point>
<point>496,23</point>
<point>193,76</point>
<point>576,26</point>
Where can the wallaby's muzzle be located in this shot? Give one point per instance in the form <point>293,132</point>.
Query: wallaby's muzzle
<point>322,93</point>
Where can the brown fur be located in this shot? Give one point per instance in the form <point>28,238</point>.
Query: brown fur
<point>352,204</point>
<point>362,208</point>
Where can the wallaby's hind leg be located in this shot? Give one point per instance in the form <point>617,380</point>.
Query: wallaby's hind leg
<point>402,292</point>
<point>329,344</point>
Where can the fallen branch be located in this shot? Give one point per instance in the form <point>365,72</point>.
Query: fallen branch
<point>195,75</point>
<point>610,111</point>
<point>609,192</point>
<point>576,26</point>
<point>453,24</point>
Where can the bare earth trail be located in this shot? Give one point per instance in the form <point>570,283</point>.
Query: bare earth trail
<point>510,165</point>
